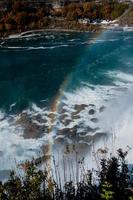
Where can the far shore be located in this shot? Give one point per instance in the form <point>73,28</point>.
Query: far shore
<point>98,29</point>
<point>68,18</point>
<point>22,34</point>
<point>76,27</point>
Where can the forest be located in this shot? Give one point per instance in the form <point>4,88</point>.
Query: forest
<point>19,16</point>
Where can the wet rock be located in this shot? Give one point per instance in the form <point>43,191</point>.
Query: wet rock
<point>78,108</point>
<point>63,117</point>
<point>95,120</point>
<point>86,141</point>
<point>59,140</point>
<point>23,118</point>
<point>51,115</point>
<point>73,131</point>
<point>31,129</point>
<point>88,130</point>
<point>62,111</point>
<point>69,132</point>
<point>66,122</point>
<point>92,112</point>
<point>76,117</point>
<point>39,119</point>
<point>92,105</point>
<point>102,108</point>
<point>63,131</point>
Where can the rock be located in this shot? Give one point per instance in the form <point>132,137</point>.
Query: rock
<point>95,120</point>
<point>67,122</point>
<point>78,108</point>
<point>69,132</point>
<point>59,140</point>
<point>76,117</point>
<point>32,129</point>
<point>92,112</point>
<point>92,105</point>
<point>62,111</point>
<point>39,119</point>
<point>51,115</point>
<point>86,139</point>
<point>102,108</point>
<point>63,117</point>
<point>87,130</point>
<point>23,119</point>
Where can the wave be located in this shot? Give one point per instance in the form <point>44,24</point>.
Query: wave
<point>52,47</point>
<point>87,118</point>
<point>111,110</point>
<point>35,48</point>
<point>15,47</point>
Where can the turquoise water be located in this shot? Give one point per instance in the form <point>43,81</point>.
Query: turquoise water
<point>84,79</point>
<point>33,69</point>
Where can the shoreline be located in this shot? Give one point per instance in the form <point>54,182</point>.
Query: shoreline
<point>79,28</point>
<point>91,28</point>
<point>20,35</point>
<point>63,20</point>
<point>33,32</point>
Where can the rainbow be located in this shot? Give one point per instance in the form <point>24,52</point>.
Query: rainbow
<point>56,105</point>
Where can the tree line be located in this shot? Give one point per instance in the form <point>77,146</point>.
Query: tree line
<point>112,182</point>
<point>23,15</point>
<point>108,10</point>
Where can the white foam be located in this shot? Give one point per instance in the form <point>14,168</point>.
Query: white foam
<point>121,76</point>
<point>51,47</point>
<point>35,48</point>
<point>15,47</point>
<point>116,119</point>
<point>14,148</point>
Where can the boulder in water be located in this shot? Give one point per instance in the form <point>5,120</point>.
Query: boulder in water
<point>92,112</point>
<point>102,108</point>
<point>95,120</point>
<point>78,108</point>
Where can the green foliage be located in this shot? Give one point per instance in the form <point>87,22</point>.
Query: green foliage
<point>114,183</point>
<point>106,192</point>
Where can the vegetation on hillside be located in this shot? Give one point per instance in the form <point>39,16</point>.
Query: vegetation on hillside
<point>127,18</point>
<point>18,16</point>
<point>112,182</point>
<point>108,10</point>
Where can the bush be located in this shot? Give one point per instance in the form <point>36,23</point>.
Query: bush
<point>114,183</point>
